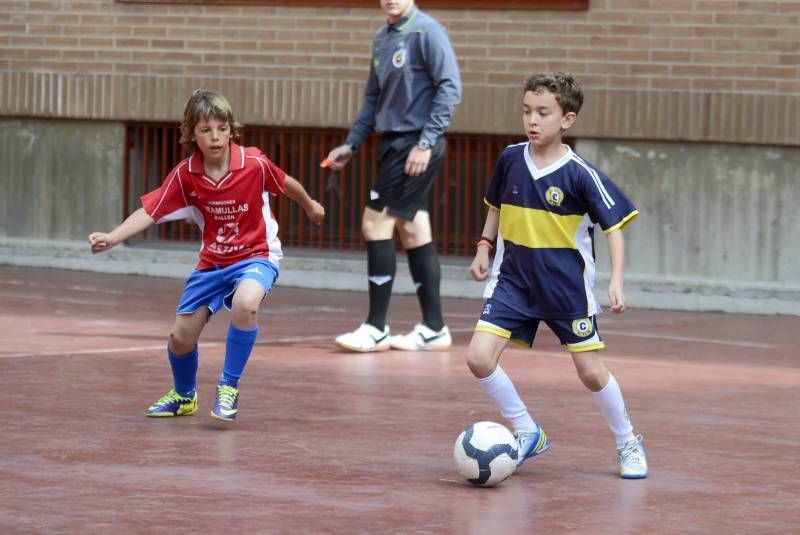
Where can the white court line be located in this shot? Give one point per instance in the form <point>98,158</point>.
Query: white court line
<point>284,340</point>
<point>266,311</point>
<point>304,338</point>
<point>323,309</point>
<point>735,343</point>
<point>300,309</point>
<point>58,299</point>
<point>671,337</point>
<point>87,351</point>
<point>779,372</point>
<point>744,369</point>
<point>72,287</point>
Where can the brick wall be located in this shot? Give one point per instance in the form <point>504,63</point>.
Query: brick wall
<point>705,70</point>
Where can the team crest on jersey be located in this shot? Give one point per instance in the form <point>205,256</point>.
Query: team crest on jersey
<point>227,232</point>
<point>582,327</point>
<point>225,239</point>
<point>554,196</point>
<point>399,57</point>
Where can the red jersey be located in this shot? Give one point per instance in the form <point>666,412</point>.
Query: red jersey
<point>233,212</point>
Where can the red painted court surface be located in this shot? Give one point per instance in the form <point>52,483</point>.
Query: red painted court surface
<point>332,442</point>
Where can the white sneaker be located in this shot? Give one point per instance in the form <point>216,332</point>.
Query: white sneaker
<point>632,459</point>
<point>423,338</point>
<point>365,339</point>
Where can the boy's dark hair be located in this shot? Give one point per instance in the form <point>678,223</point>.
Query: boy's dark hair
<point>205,104</point>
<point>569,94</point>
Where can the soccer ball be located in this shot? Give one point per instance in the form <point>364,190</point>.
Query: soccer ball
<point>485,453</point>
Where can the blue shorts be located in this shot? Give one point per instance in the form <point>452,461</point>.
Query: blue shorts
<point>577,334</point>
<point>214,287</point>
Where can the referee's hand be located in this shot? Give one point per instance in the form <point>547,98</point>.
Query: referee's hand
<point>417,161</point>
<point>338,157</point>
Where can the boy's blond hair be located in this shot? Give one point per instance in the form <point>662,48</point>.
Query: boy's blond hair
<point>205,104</point>
<point>568,92</point>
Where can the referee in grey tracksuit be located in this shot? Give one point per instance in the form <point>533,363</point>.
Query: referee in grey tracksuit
<point>411,94</point>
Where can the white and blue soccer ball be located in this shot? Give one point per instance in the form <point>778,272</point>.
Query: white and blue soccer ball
<point>486,453</point>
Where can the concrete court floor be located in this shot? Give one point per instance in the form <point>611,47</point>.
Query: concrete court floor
<point>332,442</point>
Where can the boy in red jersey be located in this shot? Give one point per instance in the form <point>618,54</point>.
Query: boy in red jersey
<point>224,188</point>
<point>544,203</point>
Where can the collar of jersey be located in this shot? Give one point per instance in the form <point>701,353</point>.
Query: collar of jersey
<point>555,166</point>
<point>401,24</point>
<point>236,163</point>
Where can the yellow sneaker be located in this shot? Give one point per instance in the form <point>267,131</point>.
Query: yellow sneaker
<point>173,404</point>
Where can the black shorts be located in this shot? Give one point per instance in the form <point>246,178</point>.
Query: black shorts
<point>402,195</point>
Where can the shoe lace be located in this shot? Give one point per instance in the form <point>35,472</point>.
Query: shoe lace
<point>169,397</point>
<point>631,454</point>
<point>227,396</point>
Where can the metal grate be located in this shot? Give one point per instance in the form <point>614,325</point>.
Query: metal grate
<point>456,204</point>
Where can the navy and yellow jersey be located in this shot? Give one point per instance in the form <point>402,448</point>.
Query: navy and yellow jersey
<point>544,261</point>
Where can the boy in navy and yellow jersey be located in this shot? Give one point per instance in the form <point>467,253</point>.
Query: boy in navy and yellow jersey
<point>544,203</point>
<point>224,188</point>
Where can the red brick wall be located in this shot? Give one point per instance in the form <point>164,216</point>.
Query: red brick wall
<point>711,70</point>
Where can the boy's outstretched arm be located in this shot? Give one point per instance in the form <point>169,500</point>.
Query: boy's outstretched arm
<point>616,253</point>
<point>295,191</point>
<point>135,223</point>
<point>479,269</point>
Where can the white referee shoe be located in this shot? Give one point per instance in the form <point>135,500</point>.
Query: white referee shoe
<point>365,339</point>
<point>423,338</point>
<point>632,459</point>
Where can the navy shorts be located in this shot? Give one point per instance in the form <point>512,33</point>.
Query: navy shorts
<point>214,287</point>
<point>577,334</point>
<point>402,195</point>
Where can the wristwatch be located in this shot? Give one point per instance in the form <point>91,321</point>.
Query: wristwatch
<point>424,145</point>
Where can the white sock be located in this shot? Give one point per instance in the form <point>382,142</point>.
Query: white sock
<point>502,391</point>
<point>613,408</point>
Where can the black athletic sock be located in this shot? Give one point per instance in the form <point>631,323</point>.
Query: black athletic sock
<point>381,267</point>
<point>423,263</point>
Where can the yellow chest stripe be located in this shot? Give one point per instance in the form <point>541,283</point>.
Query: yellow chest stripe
<point>538,229</point>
